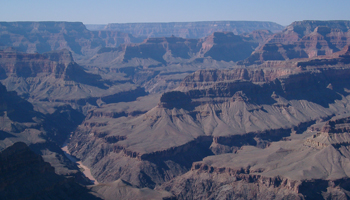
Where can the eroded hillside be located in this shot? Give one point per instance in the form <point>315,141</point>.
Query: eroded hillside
<point>179,118</point>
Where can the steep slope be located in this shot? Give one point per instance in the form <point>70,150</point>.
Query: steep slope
<point>25,175</point>
<point>299,29</point>
<point>304,39</point>
<point>167,50</point>
<point>19,122</point>
<point>227,47</point>
<point>211,112</point>
<point>43,37</point>
<point>260,36</point>
<point>159,64</point>
<point>192,29</point>
<point>120,189</point>
<point>55,77</point>
<point>314,167</point>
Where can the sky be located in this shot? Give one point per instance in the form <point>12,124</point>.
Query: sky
<point>282,12</point>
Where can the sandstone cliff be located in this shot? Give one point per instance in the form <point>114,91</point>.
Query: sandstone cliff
<point>219,46</point>
<point>55,77</point>
<point>159,64</point>
<point>303,39</point>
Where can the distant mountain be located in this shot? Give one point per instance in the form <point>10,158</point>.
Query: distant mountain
<point>221,46</point>
<point>42,37</point>
<point>54,77</point>
<point>126,58</point>
<point>95,27</point>
<point>192,29</point>
<point>31,37</point>
<point>304,39</point>
<point>160,63</point>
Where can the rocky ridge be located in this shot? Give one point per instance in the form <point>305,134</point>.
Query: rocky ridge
<point>298,168</point>
<point>212,112</point>
<point>25,175</point>
<point>31,160</point>
<point>55,78</point>
<point>159,64</point>
<point>303,39</point>
<point>41,37</point>
<point>167,50</point>
<point>121,189</point>
<point>43,133</point>
<point>192,29</point>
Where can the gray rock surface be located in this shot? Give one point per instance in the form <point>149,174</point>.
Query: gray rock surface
<point>25,175</point>
<point>192,29</point>
<point>303,39</point>
<point>211,112</point>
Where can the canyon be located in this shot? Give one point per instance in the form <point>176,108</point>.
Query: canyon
<point>192,111</point>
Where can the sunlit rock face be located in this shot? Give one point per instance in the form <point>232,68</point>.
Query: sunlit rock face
<point>304,39</point>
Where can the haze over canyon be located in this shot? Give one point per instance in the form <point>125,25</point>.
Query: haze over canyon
<point>181,110</point>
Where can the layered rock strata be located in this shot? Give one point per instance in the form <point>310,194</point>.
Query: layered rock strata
<point>304,39</point>
<point>192,29</point>
<point>55,77</point>
<point>43,37</point>
<point>159,64</point>
<point>212,112</point>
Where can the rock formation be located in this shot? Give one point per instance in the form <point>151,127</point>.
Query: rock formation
<point>298,168</point>
<point>303,39</point>
<point>121,189</point>
<point>221,113</point>
<point>258,35</point>
<point>192,29</point>
<point>25,175</point>
<point>159,64</point>
<point>273,128</point>
<point>23,170</point>
<point>43,133</point>
<point>148,62</point>
<point>41,37</point>
<point>54,77</point>
<point>219,46</point>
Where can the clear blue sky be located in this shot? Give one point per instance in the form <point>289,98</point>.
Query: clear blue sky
<point>283,12</point>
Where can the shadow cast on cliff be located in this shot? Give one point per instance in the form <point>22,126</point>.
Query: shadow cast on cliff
<point>4,135</point>
<point>61,123</point>
<point>322,92</point>
<point>320,96</point>
<point>25,175</point>
<point>191,152</point>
